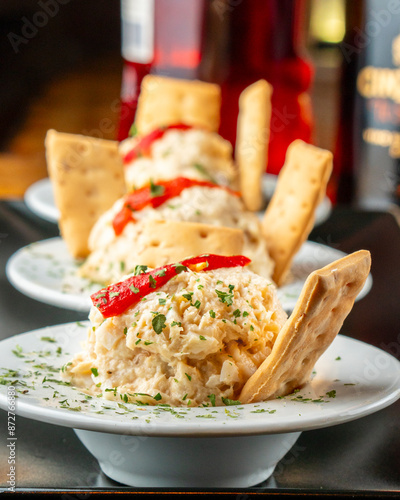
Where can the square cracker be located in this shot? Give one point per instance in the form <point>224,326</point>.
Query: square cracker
<point>290,214</point>
<point>326,299</point>
<point>251,150</point>
<point>165,101</point>
<point>87,177</point>
<point>163,242</point>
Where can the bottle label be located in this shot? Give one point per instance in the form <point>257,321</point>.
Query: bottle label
<point>137,27</point>
<point>379,109</point>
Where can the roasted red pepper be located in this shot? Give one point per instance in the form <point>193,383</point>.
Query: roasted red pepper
<point>154,196</point>
<point>115,299</point>
<point>143,146</point>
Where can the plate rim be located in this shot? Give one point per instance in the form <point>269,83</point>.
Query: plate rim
<point>226,428</point>
<point>78,303</point>
<point>51,213</point>
<point>36,205</point>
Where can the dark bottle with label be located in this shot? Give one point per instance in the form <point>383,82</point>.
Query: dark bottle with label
<point>368,149</point>
<point>229,42</point>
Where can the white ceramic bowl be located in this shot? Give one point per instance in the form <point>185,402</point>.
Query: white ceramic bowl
<point>184,462</point>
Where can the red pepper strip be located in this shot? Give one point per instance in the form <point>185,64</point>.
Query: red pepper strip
<point>142,148</point>
<point>115,299</point>
<point>147,196</point>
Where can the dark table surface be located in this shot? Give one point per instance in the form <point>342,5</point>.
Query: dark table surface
<point>361,457</point>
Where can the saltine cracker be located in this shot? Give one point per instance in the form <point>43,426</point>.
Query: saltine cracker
<point>326,299</point>
<point>163,242</point>
<point>165,101</point>
<point>290,214</point>
<point>87,178</point>
<point>251,150</point>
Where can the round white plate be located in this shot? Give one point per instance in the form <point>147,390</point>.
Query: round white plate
<point>322,212</point>
<point>40,199</point>
<point>45,271</point>
<point>351,379</point>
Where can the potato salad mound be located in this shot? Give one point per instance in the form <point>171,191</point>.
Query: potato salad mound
<point>114,255</point>
<point>193,341</point>
<point>193,153</point>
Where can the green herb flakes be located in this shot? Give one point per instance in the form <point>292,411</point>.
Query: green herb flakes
<point>156,190</point>
<point>48,339</point>
<point>158,323</point>
<point>140,269</point>
<point>230,402</point>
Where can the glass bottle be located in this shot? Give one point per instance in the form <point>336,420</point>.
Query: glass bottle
<point>368,151</point>
<point>229,42</point>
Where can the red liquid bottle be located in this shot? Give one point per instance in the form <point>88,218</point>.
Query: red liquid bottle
<point>229,42</point>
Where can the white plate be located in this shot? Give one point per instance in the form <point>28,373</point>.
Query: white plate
<point>322,212</point>
<point>365,379</point>
<point>39,198</point>
<point>351,380</point>
<point>45,271</point>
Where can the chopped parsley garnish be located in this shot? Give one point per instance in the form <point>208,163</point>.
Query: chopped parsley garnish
<point>176,323</point>
<point>245,313</point>
<point>236,313</point>
<point>162,302</point>
<point>160,272</point>
<point>152,281</point>
<point>226,297</point>
<point>230,402</point>
<point>140,269</point>
<point>212,399</point>
<point>188,376</point>
<point>133,130</point>
<point>156,190</point>
<point>18,352</point>
<point>188,296</point>
<point>197,304</point>
<point>158,323</point>
<point>331,394</point>
<point>134,289</point>
<point>202,170</point>
<point>212,313</point>
<point>95,372</point>
<point>48,339</point>
<point>157,397</point>
<point>202,337</point>
<point>125,330</point>
<point>179,268</point>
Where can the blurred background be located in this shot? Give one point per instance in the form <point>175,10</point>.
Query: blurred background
<point>62,67</point>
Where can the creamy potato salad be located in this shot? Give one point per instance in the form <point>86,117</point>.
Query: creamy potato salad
<point>192,153</point>
<point>113,256</point>
<point>193,341</point>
